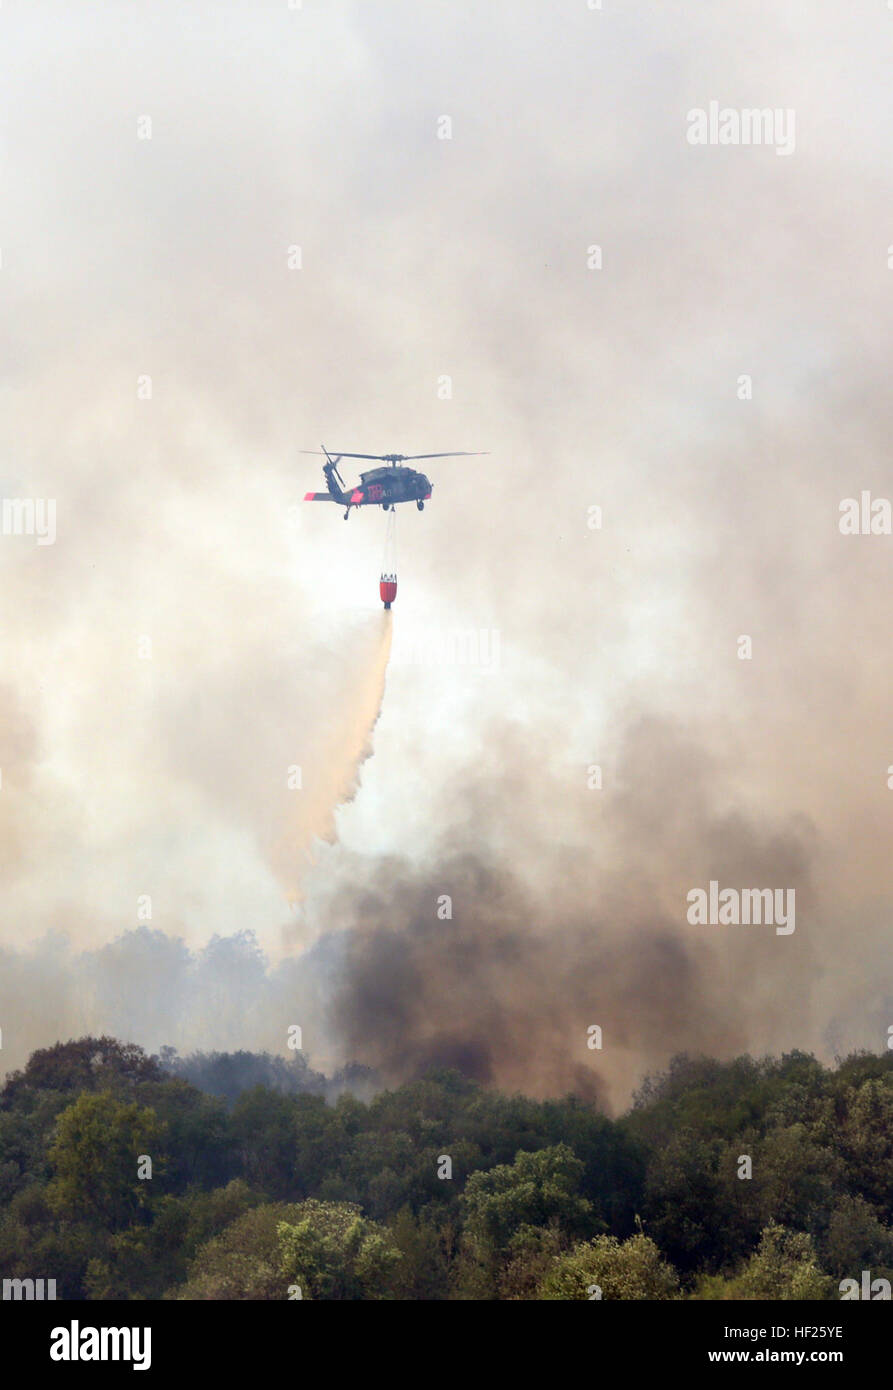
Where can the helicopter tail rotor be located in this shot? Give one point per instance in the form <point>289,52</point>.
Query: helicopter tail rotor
<point>334,480</point>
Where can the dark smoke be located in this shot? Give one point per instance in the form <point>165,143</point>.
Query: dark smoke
<point>549,938</point>
<point>228,1074</point>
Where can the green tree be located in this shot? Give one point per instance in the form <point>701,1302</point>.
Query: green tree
<point>264,1132</point>
<point>89,1064</point>
<point>684,1207</point>
<point>143,1261</point>
<point>531,1254</point>
<point>423,1271</point>
<point>632,1269</point>
<point>328,1249</point>
<point>538,1188</point>
<point>862,1133</point>
<point>35,1244</point>
<point>197,1138</point>
<point>242,1262</point>
<point>855,1240</point>
<point>94,1158</point>
<point>785,1267</point>
<point>333,1252</point>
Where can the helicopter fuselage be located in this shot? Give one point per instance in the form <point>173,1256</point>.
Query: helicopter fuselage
<point>385,487</point>
<point>379,487</point>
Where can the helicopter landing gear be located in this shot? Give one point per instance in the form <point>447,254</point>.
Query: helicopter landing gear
<point>346,515</point>
<point>421,506</point>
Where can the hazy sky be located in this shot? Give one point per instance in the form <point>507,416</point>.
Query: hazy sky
<point>179,519</point>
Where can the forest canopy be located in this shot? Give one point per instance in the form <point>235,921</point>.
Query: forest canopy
<point>122,1179</point>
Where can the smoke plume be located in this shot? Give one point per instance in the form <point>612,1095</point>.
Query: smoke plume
<point>404,228</point>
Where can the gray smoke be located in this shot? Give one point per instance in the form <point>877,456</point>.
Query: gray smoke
<point>195,632</point>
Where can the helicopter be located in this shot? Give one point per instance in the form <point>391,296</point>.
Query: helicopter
<point>381,487</point>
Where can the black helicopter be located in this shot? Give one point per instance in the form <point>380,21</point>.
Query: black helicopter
<point>379,487</point>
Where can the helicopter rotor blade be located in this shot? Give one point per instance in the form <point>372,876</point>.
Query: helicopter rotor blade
<point>348,456</point>
<point>459,454</point>
<point>401,458</point>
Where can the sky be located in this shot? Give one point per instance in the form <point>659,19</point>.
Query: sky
<point>508,242</point>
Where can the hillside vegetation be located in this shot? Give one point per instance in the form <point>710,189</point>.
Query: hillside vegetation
<point>122,1180</point>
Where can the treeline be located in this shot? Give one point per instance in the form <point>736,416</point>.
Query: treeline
<point>120,1179</point>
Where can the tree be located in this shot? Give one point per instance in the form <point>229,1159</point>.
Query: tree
<point>332,1251</point>
<point>785,1266</point>
<point>263,1129</point>
<point>89,1064</point>
<point>863,1136</point>
<point>143,1261</point>
<point>536,1189</point>
<point>794,1178</point>
<point>197,1138</point>
<point>857,1240</point>
<point>327,1249</point>
<point>94,1156</point>
<point>423,1271</point>
<point>531,1254</point>
<point>614,1162</point>
<point>632,1269</point>
<point>35,1244</point>
<point>683,1207</point>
